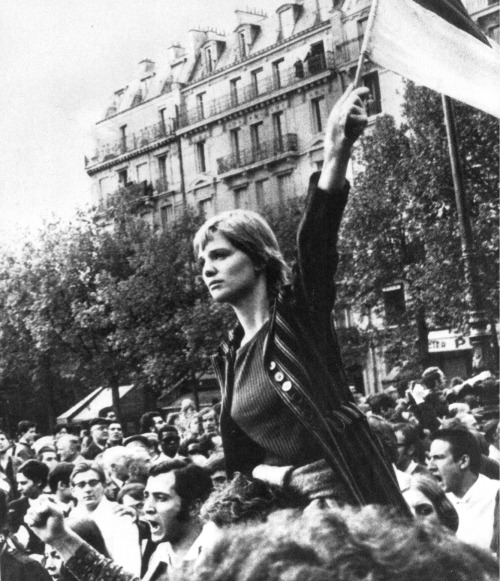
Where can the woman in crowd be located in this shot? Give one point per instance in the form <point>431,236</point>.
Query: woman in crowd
<point>288,415</point>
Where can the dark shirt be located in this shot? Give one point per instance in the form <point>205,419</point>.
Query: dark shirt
<point>262,414</point>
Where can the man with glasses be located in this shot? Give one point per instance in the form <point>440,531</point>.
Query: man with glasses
<point>100,434</point>
<point>119,531</point>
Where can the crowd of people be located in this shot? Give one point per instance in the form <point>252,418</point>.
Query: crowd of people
<point>96,503</point>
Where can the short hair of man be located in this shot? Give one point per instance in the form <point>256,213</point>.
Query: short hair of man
<point>134,489</point>
<point>167,429</point>
<point>23,426</point>
<point>60,473</point>
<point>192,483</point>
<point>104,411</point>
<point>85,467</point>
<point>432,377</point>
<point>381,401</point>
<point>462,443</point>
<point>36,471</point>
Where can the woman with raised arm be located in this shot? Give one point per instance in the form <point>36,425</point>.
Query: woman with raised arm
<point>288,416</point>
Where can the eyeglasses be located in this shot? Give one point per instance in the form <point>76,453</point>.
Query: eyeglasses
<point>83,484</point>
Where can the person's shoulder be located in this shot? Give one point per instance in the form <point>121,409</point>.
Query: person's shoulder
<point>488,484</point>
<point>17,566</point>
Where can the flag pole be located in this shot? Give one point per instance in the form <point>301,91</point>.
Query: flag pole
<point>481,339</point>
<point>364,46</point>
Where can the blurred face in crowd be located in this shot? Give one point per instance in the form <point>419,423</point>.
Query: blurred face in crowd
<point>53,562</point>
<point>169,443</point>
<point>219,479</point>
<point>209,423</point>
<point>67,448</point>
<point>29,436</point>
<point>111,416</point>
<point>100,434</point>
<point>421,507</point>
<point>60,433</point>
<point>88,489</point>
<point>49,458</point>
<point>27,487</point>
<point>443,467</point>
<point>4,443</point>
<point>161,508</point>
<point>158,423</point>
<point>115,433</point>
<point>137,505</point>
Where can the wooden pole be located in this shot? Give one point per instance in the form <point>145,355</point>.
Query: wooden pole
<point>364,46</point>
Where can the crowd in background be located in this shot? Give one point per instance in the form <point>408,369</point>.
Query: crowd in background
<point>158,504</point>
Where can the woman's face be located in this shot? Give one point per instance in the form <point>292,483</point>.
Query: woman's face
<point>53,562</point>
<point>421,507</point>
<point>229,273</point>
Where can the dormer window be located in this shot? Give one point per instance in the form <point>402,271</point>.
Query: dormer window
<point>209,63</point>
<point>243,44</point>
<point>288,15</point>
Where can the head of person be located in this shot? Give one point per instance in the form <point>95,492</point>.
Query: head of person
<point>187,406</point>
<point>68,447</point>
<point>209,421</point>
<point>48,455</point>
<point>428,502</point>
<point>53,563</point>
<point>5,443</point>
<point>136,442</point>
<point>60,481</point>
<point>408,444</point>
<point>99,430</point>
<point>132,496</point>
<point>342,544</point>
<point>31,478</point>
<point>59,431</point>
<point>115,432</point>
<point>26,431</point>
<point>392,391</point>
<point>108,413</point>
<point>115,462</point>
<point>169,440</point>
<point>138,463</point>
<point>236,248</point>
<point>87,481</point>
<point>454,458</point>
<point>151,422</point>
<point>174,494</point>
<point>384,433</point>
<point>433,378</point>
<point>216,467</point>
<point>382,405</point>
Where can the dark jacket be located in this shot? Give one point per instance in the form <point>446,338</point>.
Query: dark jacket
<point>92,451</point>
<point>302,358</point>
<point>15,519</point>
<point>16,566</point>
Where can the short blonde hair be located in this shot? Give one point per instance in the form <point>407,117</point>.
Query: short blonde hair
<point>249,232</point>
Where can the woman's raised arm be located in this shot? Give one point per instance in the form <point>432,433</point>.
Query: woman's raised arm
<point>346,123</point>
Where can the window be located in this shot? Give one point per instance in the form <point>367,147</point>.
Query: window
<point>166,216</point>
<point>374,104</point>
<point>234,91</point>
<point>206,208</point>
<point>256,82</point>
<point>262,193</point>
<point>235,144</point>
<point>316,58</point>
<point>255,137</point>
<point>285,187</point>
<point>200,106</point>
<point>241,198</point>
<point>104,188</point>
<point>394,303</point>
<point>162,185</point>
<point>494,33</point>
<point>277,73</point>
<point>201,162</point>
<point>362,22</point>
<point>208,60</point>
<point>142,172</point>
<point>317,106</point>
<point>163,121</point>
<point>122,177</point>
<point>243,45</point>
<point>123,137</point>
<point>278,131</point>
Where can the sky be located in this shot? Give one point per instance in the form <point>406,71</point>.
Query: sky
<point>61,60</point>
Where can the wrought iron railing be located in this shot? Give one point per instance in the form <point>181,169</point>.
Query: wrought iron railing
<point>348,51</point>
<point>132,142</point>
<point>263,86</point>
<point>265,151</point>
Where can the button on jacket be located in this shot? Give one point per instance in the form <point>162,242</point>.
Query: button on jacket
<point>304,366</point>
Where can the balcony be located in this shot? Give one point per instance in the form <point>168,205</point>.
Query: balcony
<point>348,51</point>
<point>263,87</point>
<point>134,142</point>
<point>131,196</point>
<point>264,152</point>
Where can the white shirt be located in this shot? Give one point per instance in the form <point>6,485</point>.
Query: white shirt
<point>476,511</point>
